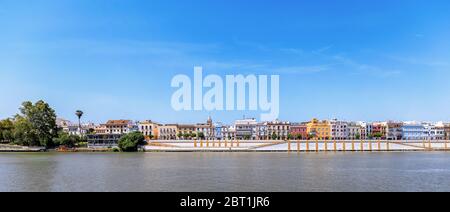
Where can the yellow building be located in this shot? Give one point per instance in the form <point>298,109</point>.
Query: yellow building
<point>320,130</point>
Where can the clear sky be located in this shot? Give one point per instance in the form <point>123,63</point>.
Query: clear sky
<point>114,59</point>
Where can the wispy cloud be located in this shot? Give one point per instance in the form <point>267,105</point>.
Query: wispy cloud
<point>322,50</point>
<point>294,51</point>
<point>419,35</point>
<point>431,63</point>
<point>301,69</point>
<point>362,68</point>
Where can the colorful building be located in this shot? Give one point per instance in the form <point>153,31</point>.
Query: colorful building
<point>299,131</point>
<point>320,130</point>
<point>378,130</point>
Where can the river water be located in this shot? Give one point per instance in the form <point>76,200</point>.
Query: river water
<point>235,172</point>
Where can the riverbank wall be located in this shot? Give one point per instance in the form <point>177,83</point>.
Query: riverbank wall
<point>14,148</point>
<point>297,146</point>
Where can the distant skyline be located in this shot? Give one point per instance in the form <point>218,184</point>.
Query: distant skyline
<point>348,59</point>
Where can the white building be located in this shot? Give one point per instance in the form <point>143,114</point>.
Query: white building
<point>423,131</point>
<point>207,129</point>
<point>354,131</point>
<point>366,129</point>
<point>73,128</point>
<point>339,130</point>
<point>120,127</point>
<point>228,133</point>
<point>148,128</point>
<point>436,131</point>
<point>246,129</point>
<point>279,129</point>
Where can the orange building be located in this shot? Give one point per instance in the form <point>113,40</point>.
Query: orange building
<point>319,130</point>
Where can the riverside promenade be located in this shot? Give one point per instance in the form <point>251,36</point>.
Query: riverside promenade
<point>297,146</point>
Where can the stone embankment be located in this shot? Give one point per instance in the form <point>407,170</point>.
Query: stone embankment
<point>297,146</point>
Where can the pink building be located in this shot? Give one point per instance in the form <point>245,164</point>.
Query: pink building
<point>299,131</point>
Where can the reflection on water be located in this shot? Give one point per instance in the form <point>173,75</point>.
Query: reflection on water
<point>259,172</point>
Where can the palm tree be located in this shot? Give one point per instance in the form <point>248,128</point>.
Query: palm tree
<point>79,114</point>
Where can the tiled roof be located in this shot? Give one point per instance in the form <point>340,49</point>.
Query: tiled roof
<point>118,122</point>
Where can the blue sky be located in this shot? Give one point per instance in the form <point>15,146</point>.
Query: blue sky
<point>347,59</point>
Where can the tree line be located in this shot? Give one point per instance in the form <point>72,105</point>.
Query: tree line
<point>35,125</point>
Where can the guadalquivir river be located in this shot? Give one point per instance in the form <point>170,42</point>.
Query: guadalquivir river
<point>236,172</point>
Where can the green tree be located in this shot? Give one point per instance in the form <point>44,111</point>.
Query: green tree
<point>180,135</point>
<point>79,114</point>
<point>24,134</point>
<point>274,136</point>
<point>192,135</point>
<point>90,131</point>
<point>290,137</point>
<point>36,125</point>
<point>131,141</point>
<point>6,130</point>
<point>201,135</point>
<point>377,135</point>
<point>64,139</point>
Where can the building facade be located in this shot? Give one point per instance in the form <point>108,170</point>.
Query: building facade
<point>168,132</point>
<point>447,131</point>
<point>320,130</point>
<point>278,130</point>
<point>107,135</point>
<point>339,130</point>
<point>354,131</point>
<point>246,129</point>
<point>206,130</point>
<point>299,131</point>
<point>262,132</point>
<point>120,127</point>
<point>101,129</point>
<point>378,130</point>
<point>364,128</point>
<point>228,132</point>
<point>149,129</point>
<point>74,128</point>
<point>436,132</point>
<point>394,130</point>
<point>414,132</point>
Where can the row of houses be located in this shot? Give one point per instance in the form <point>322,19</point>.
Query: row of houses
<point>251,129</point>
